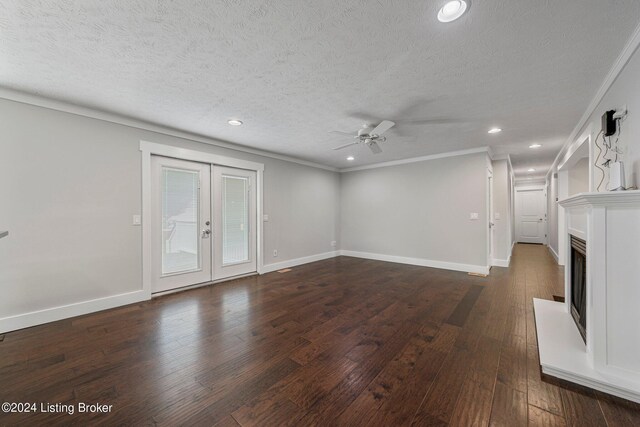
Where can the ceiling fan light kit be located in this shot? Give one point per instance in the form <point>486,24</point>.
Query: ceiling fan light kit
<point>369,137</point>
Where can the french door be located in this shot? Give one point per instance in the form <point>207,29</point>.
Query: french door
<point>234,222</point>
<point>203,222</point>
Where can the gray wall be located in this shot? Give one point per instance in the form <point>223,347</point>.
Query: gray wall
<point>579,177</point>
<point>625,91</point>
<point>418,210</point>
<point>501,206</point>
<point>552,213</point>
<point>69,186</point>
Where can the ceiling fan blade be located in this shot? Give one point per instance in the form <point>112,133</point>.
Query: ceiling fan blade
<point>346,145</point>
<point>384,126</point>
<point>374,147</point>
<point>419,122</point>
<point>337,132</point>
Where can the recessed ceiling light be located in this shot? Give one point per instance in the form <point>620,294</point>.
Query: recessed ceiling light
<point>535,146</point>
<point>452,10</point>
<point>234,122</point>
<point>531,170</point>
<point>351,158</point>
<point>495,130</point>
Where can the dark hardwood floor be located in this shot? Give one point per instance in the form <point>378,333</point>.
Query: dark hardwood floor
<point>339,342</point>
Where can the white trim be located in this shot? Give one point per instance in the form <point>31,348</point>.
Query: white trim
<point>444,265</point>
<point>530,187</point>
<point>298,261</point>
<point>27,320</point>
<point>617,67</point>
<point>200,285</point>
<point>554,254</point>
<point>66,107</point>
<point>150,148</point>
<point>197,156</point>
<point>610,198</point>
<point>500,262</point>
<point>578,233</point>
<point>417,159</point>
<point>570,158</point>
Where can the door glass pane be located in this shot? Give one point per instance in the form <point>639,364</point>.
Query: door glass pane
<point>180,217</point>
<point>235,219</point>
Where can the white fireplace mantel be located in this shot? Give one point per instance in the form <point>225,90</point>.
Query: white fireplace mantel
<point>610,360</point>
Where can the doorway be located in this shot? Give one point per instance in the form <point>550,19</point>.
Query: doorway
<point>531,215</point>
<point>491,224</point>
<point>203,223</point>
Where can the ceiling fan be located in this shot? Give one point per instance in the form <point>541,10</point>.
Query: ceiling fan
<point>368,136</point>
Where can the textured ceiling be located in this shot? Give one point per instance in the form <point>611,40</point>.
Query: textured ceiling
<point>293,71</point>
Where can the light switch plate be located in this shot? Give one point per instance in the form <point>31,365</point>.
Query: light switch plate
<point>137,220</point>
<point>497,215</point>
<point>265,218</point>
<point>474,216</point>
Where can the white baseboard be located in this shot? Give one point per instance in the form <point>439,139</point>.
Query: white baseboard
<point>500,262</point>
<point>298,261</point>
<point>554,254</point>
<point>34,318</point>
<point>26,320</point>
<point>470,268</point>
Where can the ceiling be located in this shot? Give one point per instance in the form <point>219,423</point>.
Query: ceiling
<point>293,71</point>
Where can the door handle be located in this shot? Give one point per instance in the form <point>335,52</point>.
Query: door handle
<point>206,233</point>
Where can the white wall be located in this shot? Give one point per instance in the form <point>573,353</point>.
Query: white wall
<point>69,186</point>
<point>418,210</point>
<point>502,213</point>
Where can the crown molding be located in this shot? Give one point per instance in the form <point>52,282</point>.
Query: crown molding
<point>417,159</point>
<point>617,67</point>
<point>66,107</point>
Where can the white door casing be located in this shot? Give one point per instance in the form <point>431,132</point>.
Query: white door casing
<point>491,215</point>
<point>531,215</point>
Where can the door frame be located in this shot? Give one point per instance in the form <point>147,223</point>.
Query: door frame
<point>152,148</point>
<point>490,219</point>
<point>545,221</point>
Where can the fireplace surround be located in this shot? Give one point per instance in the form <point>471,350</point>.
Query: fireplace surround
<point>606,227</point>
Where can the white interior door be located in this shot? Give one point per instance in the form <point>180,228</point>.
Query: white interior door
<point>531,215</point>
<point>181,217</point>
<point>234,207</point>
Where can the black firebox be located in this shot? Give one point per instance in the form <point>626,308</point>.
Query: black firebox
<point>579,284</point>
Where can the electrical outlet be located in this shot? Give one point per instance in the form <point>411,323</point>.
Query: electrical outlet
<point>333,243</point>
<point>137,220</point>
<point>275,253</point>
<point>474,216</point>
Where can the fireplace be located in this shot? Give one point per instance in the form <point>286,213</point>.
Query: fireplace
<point>578,281</point>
